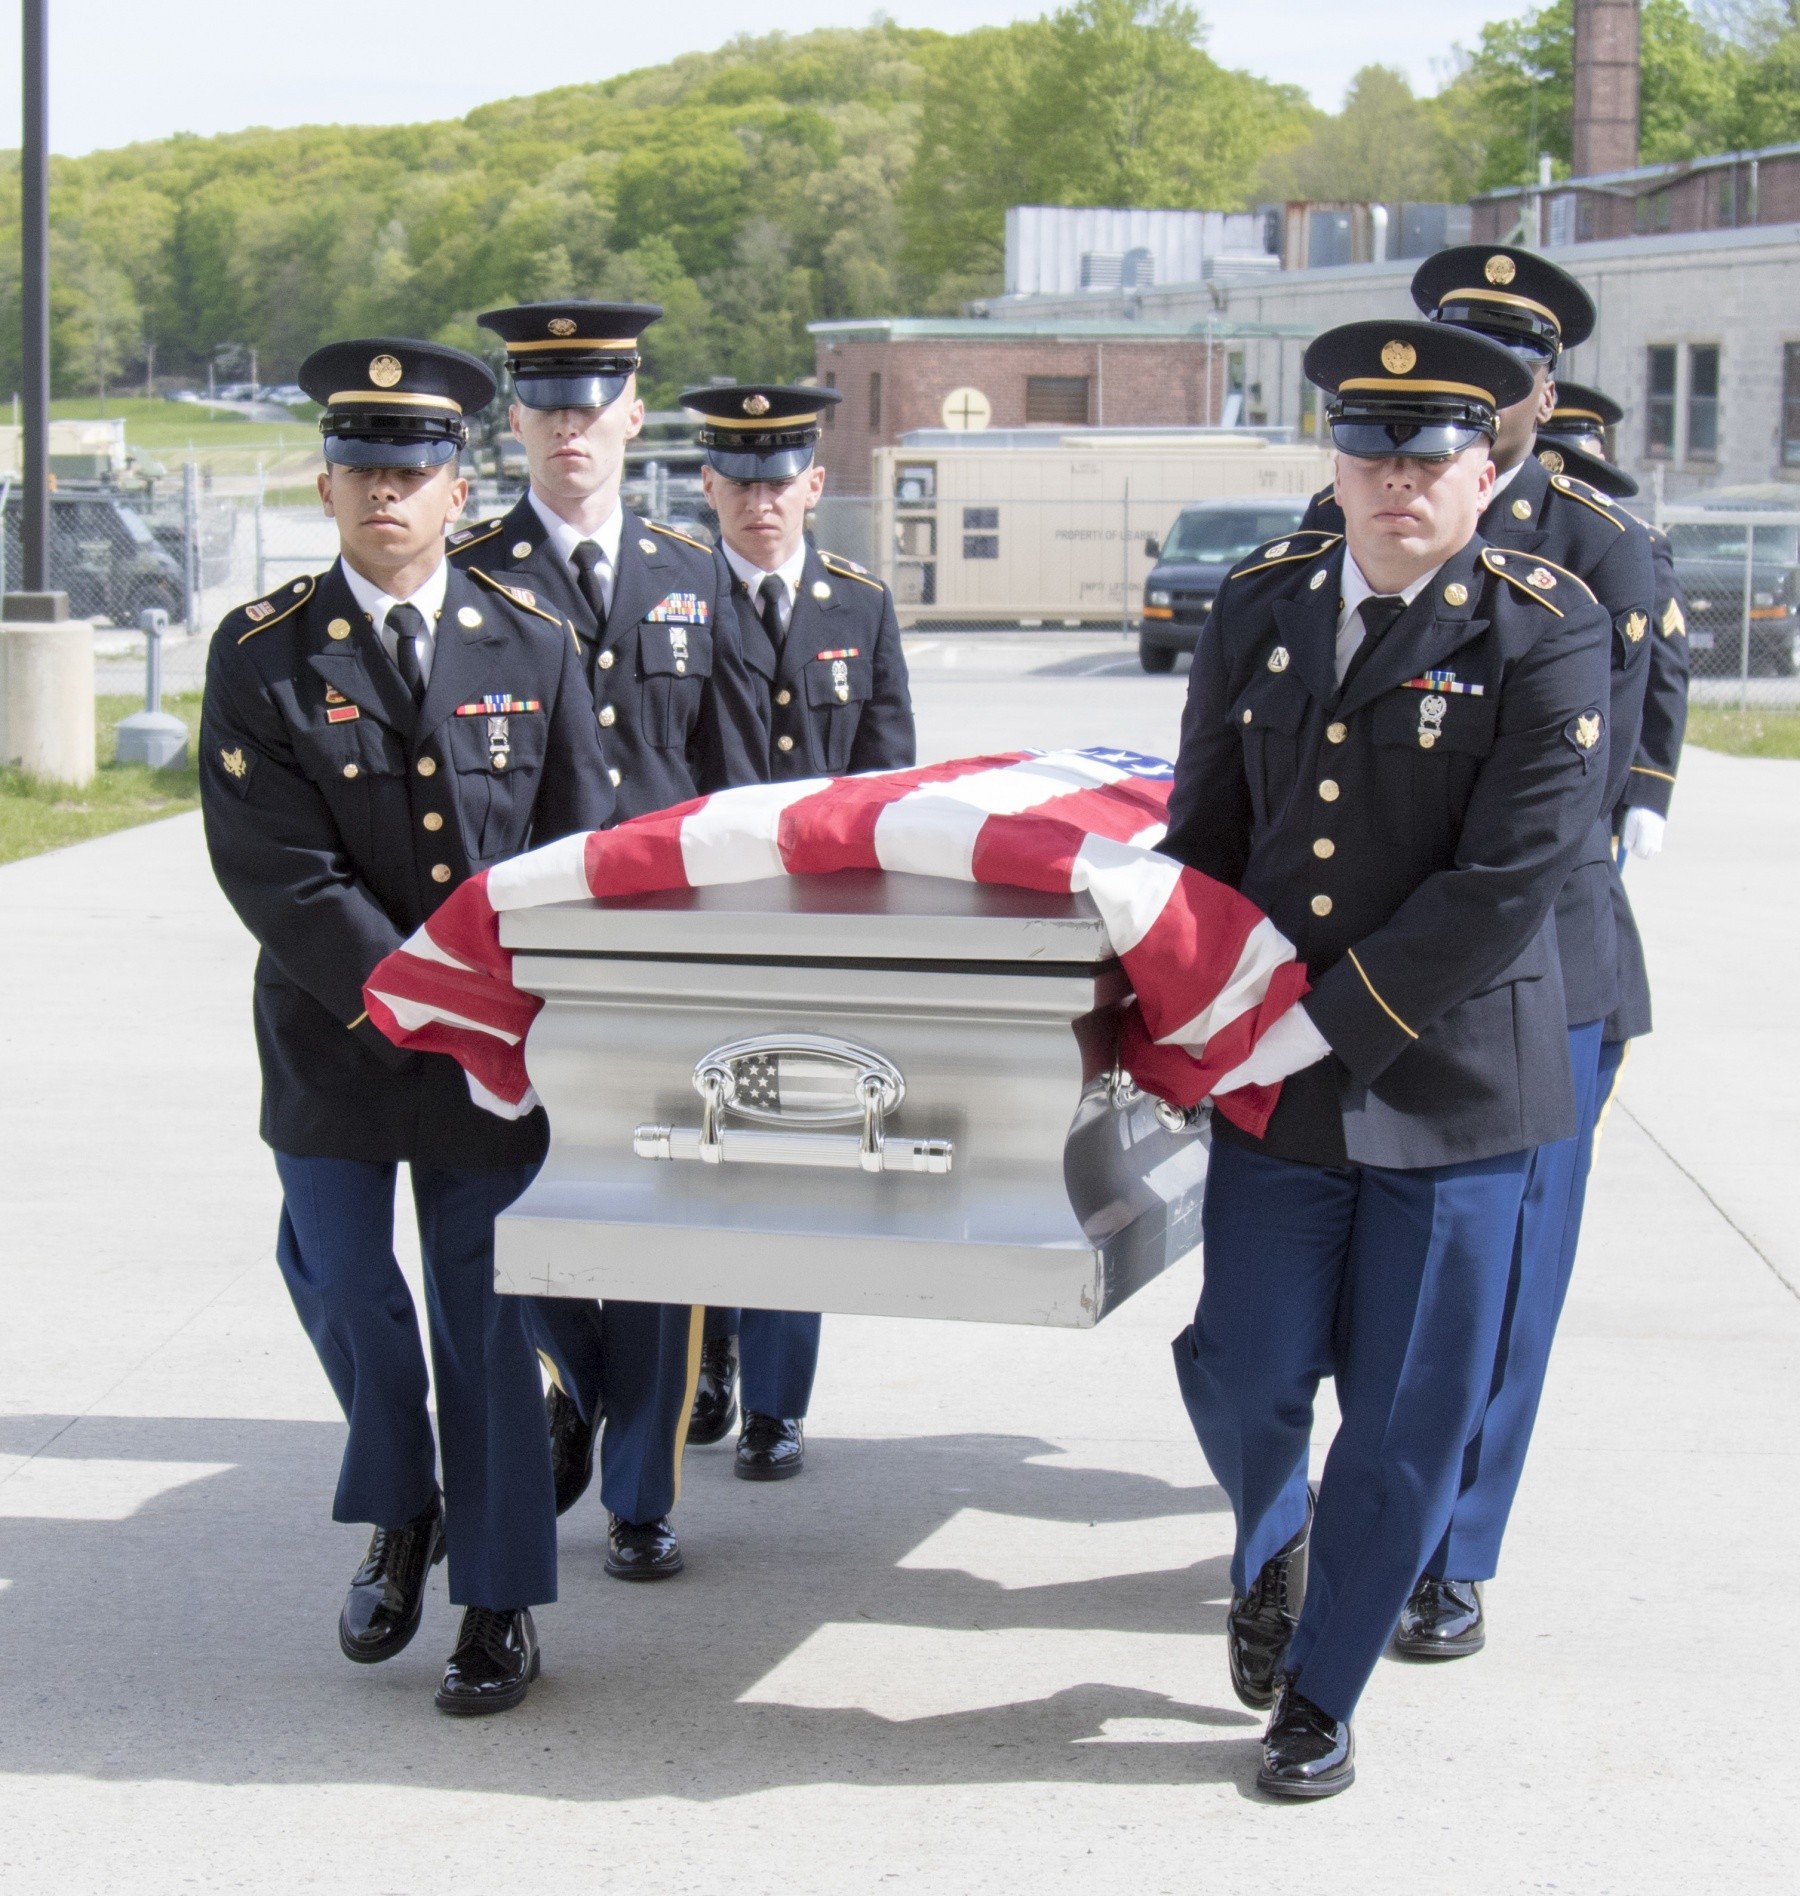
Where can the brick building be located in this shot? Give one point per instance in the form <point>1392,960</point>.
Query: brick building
<point>902,374</point>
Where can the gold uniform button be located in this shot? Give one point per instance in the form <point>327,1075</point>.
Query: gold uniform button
<point>350,770</point>
<point>339,628</point>
<point>607,660</point>
<point>617,779</point>
<point>608,717</point>
<point>432,820</point>
<point>1324,847</point>
<point>440,872</point>
<point>1248,715</point>
<point>427,766</point>
<point>784,697</point>
<point>1321,905</point>
<point>1329,790</point>
<point>1336,733</point>
<point>784,743</point>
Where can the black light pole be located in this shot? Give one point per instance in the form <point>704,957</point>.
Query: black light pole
<point>34,324</point>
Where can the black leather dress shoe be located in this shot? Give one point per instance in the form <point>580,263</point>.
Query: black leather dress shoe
<point>1442,1620</point>
<point>642,1550</point>
<point>387,1592</point>
<point>1262,1621</point>
<point>1306,1752</point>
<point>715,1395</point>
<point>771,1448</point>
<point>571,1448</point>
<point>495,1661</point>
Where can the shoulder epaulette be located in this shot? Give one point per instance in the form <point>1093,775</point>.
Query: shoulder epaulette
<point>848,569</point>
<point>1589,497</point>
<point>469,536</point>
<point>272,608</point>
<point>675,533</point>
<point>1536,578</point>
<point>1304,543</point>
<point>525,601</point>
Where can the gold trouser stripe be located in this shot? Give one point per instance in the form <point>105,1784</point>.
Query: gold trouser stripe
<point>1606,1103</point>
<point>551,1371</point>
<point>1644,770</point>
<point>1379,1002</point>
<point>358,1021</point>
<point>696,1337</point>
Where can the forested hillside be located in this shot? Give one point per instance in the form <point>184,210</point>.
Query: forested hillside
<point>779,180</point>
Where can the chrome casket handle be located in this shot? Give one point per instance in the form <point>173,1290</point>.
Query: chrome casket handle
<point>795,1085</point>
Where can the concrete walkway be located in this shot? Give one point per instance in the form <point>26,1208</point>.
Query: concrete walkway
<point>978,1646</point>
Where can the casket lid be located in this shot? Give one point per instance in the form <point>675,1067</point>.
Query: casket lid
<point>855,915</point>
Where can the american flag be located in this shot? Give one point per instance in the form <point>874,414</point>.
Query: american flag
<point>1210,973</point>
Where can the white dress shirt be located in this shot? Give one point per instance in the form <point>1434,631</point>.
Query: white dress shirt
<point>566,539</point>
<point>788,572</point>
<point>1350,629</point>
<point>429,598</point>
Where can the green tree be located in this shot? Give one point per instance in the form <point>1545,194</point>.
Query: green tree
<point>1385,146</point>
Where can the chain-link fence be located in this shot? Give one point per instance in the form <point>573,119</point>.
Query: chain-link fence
<point>1740,572</point>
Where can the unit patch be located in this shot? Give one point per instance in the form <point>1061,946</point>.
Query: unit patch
<point>1636,626</point>
<point>259,611</point>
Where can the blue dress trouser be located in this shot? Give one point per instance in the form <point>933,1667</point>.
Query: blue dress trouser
<point>778,1357</point>
<point>1543,1262</point>
<point>1394,1283</point>
<point>336,1251</point>
<point>635,1365</point>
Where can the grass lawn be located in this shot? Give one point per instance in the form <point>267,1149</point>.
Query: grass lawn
<point>38,816</point>
<point>1752,733</point>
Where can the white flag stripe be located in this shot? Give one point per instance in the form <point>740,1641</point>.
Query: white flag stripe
<point>412,1015</point>
<point>933,830</point>
<point>1149,838</point>
<point>734,838</point>
<point>1131,887</point>
<point>491,1102</point>
<point>420,945</point>
<point>1265,949</point>
<point>555,873</point>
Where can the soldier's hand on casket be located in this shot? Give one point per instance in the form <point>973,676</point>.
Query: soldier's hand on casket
<point>1292,1043</point>
<point>1642,832</point>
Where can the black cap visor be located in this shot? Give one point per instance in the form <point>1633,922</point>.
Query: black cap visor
<point>761,464</point>
<point>1373,429</point>
<point>1532,336</point>
<point>587,389</point>
<point>367,439</point>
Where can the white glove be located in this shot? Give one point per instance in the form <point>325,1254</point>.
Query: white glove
<point>1292,1043</point>
<point>1642,832</point>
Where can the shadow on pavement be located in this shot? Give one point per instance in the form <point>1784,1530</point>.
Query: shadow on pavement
<point>195,1639</point>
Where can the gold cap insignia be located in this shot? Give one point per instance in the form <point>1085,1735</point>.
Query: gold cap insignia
<point>1673,620</point>
<point>561,325</point>
<point>385,371</point>
<point>235,761</point>
<point>467,615</point>
<point>1543,581</point>
<point>820,590</point>
<point>1456,594</point>
<point>1551,459</point>
<point>338,629</point>
<point>1521,509</point>
<point>756,404</point>
<point>1398,358</point>
<point>1587,730</point>
<point>1500,270</point>
<point>1278,659</point>
<point>1636,626</point>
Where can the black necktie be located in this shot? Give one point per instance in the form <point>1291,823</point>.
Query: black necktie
<point>1378,613</point>
<point>407,623</point>
<point>590,565</point>
<point>768,608</point>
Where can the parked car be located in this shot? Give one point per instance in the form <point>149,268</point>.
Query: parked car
<point>1709,562</point>
<point>102,554</point>
<point>1205,543</point>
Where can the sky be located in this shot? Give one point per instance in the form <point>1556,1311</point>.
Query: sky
<point>123,71</point>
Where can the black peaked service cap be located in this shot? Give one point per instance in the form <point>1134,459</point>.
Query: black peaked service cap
<point>1561,456</point>
<point>571,355</point>
<point>1583,410</point>
<point>1516,296</point>
<point>393,402</point>
<point>761,431</point>
<point>1423,390</point>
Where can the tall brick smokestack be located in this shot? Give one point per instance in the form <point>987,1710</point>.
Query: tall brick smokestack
<point>1606,86</point>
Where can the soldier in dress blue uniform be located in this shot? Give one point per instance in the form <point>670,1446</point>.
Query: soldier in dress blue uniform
<point>677,719</point>
<point>1535,310</point>
<point>823,649</point>
<point>371,738</point>
<point>1395,744</point>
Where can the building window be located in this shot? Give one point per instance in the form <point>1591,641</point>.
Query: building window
<point>1790,405</point>
<point>830,407</point>
<point>875,402</point>
<point>1309,411</point>
<point>1659,409</point>
<point>1703,402</point>
<point>1057,400</point>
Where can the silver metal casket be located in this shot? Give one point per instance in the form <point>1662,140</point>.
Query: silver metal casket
<point>883,1094</point>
